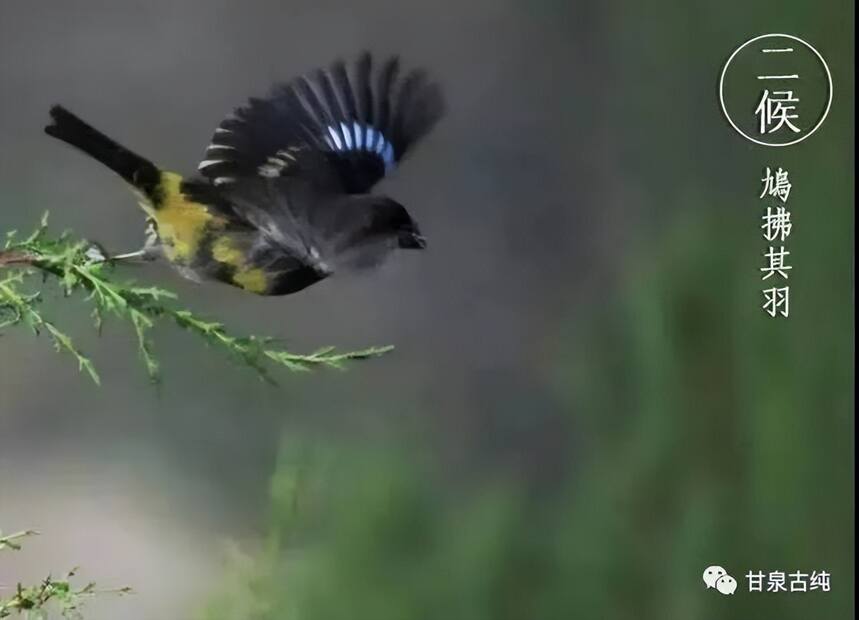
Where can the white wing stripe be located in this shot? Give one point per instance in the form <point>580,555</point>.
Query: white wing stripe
<point>336,138</point>
<point>366,138</point>
<point>388,155</point>
<point>347,136</point>
<point>359,136</point>
<point>209,162</point>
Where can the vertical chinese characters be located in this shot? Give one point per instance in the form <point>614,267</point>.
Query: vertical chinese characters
<point>778,108</point>
<point>775,90</point>
<point>776,227</point>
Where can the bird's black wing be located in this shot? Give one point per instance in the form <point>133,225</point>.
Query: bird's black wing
<point>345,126</point>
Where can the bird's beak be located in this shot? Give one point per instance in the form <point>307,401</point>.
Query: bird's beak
<point>412,241</point>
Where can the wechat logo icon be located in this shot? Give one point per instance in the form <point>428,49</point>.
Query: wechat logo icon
<point>718,578</point>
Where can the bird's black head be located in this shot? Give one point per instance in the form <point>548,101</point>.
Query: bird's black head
<point>391,218</point>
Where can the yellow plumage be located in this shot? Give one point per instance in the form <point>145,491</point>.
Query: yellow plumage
<point>252,279</point>
<point>183,225</point>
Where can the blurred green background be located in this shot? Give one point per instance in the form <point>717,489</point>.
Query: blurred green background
<point>586,406</point>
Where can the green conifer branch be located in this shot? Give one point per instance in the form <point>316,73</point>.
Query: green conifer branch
<point>10,541</point>
<point>80,266</point>
<point>60,594</point>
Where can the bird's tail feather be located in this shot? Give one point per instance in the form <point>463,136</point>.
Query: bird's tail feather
<point>139,172</point>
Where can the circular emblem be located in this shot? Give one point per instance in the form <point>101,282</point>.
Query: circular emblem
<point>775,90</point>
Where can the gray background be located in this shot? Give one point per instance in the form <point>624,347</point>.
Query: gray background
<point>507,189</point>
<point>582,149</point>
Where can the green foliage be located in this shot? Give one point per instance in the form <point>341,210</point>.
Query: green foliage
<point>61,594</point>
<point>370,533</point>
<point>50,594</point>
<point>80,266</point>
<point>709,432</point>
<point>10,541</point>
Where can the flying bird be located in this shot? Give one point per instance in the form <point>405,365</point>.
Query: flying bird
<point>283,195</point>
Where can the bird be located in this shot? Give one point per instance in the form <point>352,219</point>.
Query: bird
<point>282,198</point>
